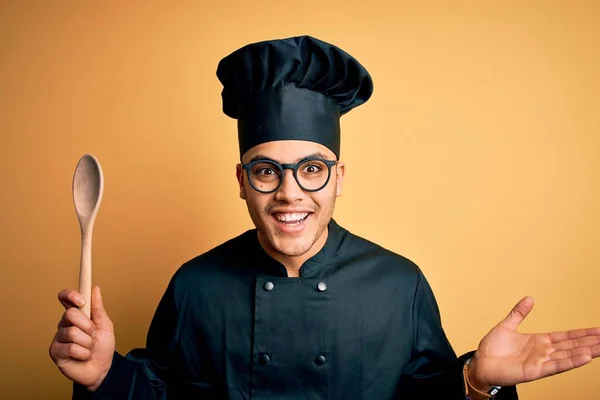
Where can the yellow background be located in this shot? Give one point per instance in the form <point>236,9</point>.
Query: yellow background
<point>477,157</point>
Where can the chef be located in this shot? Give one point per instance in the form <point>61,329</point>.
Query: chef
<point>299,307</point>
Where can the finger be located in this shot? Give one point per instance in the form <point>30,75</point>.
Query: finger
<point>70,298</point>
<point>585,341</point>
<point>518,313</point>
<point>73,334</point>
<point>591,351</point>
<point>564,364</point>
<point>75,317</point>
<point>70,351</point>
<point>573,334</point>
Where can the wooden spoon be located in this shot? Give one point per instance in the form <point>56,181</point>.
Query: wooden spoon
<point>88,186</point>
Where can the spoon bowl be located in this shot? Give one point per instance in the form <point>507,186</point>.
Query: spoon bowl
<point>88,188</point>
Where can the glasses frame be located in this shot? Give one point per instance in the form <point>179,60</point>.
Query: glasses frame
<point>293,167</point>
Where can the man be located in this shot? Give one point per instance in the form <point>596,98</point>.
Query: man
<point>300,308</point>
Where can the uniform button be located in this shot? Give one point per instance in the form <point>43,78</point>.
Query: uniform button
<point>268,286</point>
<point>264,359</point>
<point>321,286</point>
<point>320,360</point>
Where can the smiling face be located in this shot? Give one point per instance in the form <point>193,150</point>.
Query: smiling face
<point>291,222</point>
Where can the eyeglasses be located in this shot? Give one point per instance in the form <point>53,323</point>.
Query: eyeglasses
<point>266,176</point>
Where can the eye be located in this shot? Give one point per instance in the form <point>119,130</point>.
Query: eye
<point>266,171</point>
<point>312,168</point>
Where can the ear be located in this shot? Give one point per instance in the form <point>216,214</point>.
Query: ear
<point>239,173</point>
<point>339,178</point>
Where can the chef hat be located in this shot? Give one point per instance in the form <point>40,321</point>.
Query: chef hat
<point>291,89</point>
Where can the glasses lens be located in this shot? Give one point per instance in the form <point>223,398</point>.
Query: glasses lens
<point>312,174</point>
<point>265,176</point>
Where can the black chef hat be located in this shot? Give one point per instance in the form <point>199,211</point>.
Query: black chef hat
<point>291,89</point>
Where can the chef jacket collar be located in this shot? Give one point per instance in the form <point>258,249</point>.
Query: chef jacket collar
<point>315,266</point>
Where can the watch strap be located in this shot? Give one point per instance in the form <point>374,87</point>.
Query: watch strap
<point>472,392</point>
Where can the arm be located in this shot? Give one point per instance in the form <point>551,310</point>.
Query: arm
<point>150,373</point>
<point>434,370</point>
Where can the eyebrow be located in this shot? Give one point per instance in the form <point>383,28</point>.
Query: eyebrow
<point>263,157</point>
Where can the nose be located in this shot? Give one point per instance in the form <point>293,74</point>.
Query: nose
<point>289,190</point>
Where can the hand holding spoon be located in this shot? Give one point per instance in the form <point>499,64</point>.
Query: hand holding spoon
<point>88,186</point>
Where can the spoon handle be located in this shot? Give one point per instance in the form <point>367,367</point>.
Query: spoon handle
<point>85,272</point>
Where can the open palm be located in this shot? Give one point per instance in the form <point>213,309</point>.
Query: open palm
<point>506,357</point>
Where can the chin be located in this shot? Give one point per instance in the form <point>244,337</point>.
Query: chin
<point>292,247</point>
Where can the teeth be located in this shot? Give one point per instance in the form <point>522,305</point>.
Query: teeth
<point>290,217</point>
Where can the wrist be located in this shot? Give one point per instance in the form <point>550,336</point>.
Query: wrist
<point>475,388</point>
<point>98,383</point>
<point>473,378</point>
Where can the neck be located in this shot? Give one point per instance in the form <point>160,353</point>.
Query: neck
<point>293,263</point>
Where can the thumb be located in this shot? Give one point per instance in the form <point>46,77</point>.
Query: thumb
<point>518,313</point>
<point>98,313</point>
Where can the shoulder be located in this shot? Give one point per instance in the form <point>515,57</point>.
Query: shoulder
<point>377,257</point>
<point>219,259</point>
<point>359,246</point>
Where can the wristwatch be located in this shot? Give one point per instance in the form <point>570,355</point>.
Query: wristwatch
<point>474,394</point>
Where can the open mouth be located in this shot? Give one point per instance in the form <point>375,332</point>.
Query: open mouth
<point>291,219</point>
